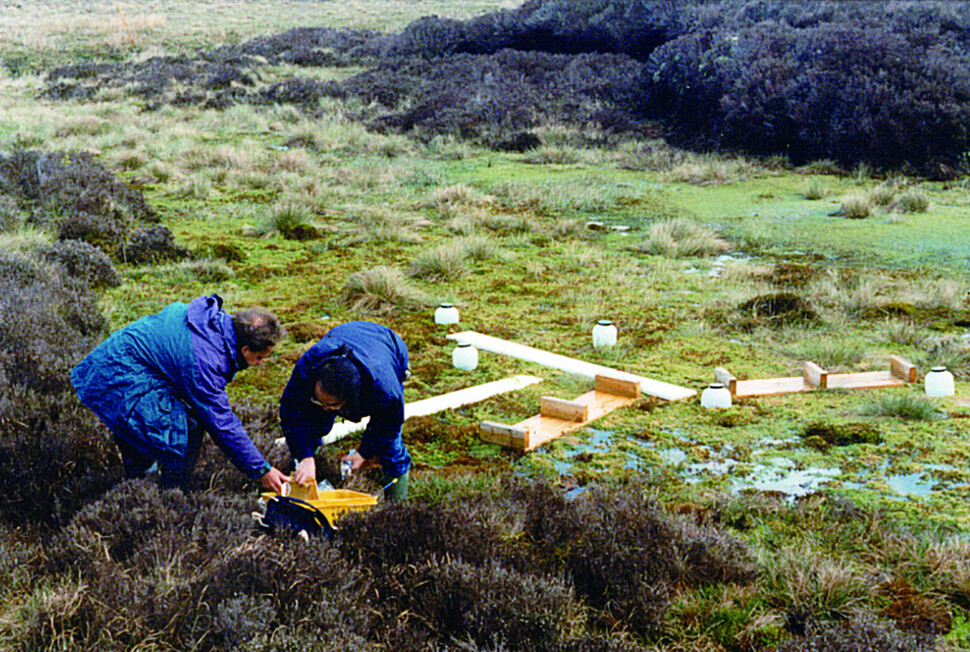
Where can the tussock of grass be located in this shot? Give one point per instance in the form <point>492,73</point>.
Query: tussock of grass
<point>292,220</point>
<point>903,332</point>
<point>950,352</point>
<point>901,405</point>
<point>883,194</point>
<point>383,290</point>
<point>830,353</point>
<point>912,201</point>
<point>188,271</point>
<point>856,207</point>
<point>678,238</point>
<point>816,189</point>
<point>380,224</point>
<point>445,262</point>
<point>709,171</point>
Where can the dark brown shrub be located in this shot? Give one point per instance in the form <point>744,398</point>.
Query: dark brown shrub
<point>489,604</point>
<point>152,245</point>
<point>775,310</point>
<point>82,261</point>
<point>864,633</point>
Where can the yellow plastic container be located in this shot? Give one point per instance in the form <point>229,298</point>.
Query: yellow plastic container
<point>333,503</point>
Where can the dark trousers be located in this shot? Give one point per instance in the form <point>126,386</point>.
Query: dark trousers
<point>174,470</point>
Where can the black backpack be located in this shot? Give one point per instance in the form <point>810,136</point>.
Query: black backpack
<point>284,513</point>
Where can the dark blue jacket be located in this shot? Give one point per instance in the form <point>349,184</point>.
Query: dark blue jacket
<point>147,378</point>
<point>382,360</point>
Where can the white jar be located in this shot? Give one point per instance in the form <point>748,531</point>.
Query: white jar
<point>465,356</point>
<point>939,382</point>
<point>446,313</point>
<point>716,396</point>
<point>604,334</point>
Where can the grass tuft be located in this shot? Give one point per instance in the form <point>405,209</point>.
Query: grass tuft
<point>901,405</point>
<point>679,238</point>
<point>856,206</point>
<point>383,290</point>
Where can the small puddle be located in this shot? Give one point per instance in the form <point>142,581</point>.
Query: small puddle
<point>774,473</point>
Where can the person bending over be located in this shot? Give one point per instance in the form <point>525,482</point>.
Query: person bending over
<point>159,383</point>
<point>357,370</point>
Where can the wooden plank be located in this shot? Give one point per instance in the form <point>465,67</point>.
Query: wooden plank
<point>618,386</point>
<point>516,436</point>
<point>902,368</point>
<point>865,380</point>
<point>550,406</point>
<point>436,404</point>
<point>814,375</point>
<point>769,386</point>
<point>571,365</point>
<point>727,379</point>
<point>543,428</point>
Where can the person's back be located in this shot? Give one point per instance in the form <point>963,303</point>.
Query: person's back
<point>160,382</point>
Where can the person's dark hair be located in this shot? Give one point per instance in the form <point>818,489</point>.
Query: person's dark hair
<point>257,328</point>
<point>340,378</point>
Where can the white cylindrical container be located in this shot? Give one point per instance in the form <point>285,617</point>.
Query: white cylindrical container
<point>465,356</point>
<point>445,314</point>
<point>939,382</point>
<point>716,396</point>
<point>604,334</point>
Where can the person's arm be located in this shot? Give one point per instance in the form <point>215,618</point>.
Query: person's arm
<point>226,430</point>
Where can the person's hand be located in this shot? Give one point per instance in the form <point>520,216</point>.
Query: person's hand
<point>273,480</point>
<point>305,470</point>
<point>356,460</point>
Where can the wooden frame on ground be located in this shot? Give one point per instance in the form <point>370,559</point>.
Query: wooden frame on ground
<point>814,377</point>
<point>558,416</point>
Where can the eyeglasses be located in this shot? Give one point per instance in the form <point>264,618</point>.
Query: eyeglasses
<point>335,405</point>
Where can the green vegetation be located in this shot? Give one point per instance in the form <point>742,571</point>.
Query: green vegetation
<point>313,215</point>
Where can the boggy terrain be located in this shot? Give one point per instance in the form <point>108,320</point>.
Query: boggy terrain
<point>517,161</point>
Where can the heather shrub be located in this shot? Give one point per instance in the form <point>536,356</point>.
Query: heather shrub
<point>414,533</point>
<point>774,310</point>
<point>181,569</point>
<point>152,245</point>
<point>851,90</point>
<point>862,633</point>
<point>75,196</point>
<point>623,555</point>
<point>53,454</point>
<point>490,604</point>
<point>81,261</point>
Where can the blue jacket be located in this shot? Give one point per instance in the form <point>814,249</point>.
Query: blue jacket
<point>146,380</point>
<point>382,359</point>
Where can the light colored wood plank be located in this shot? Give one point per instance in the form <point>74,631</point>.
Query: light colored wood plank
<point>865,380</point>
<point>649,386</point>
<point>618,386</point>
<point>550,406</point>
<point>727,379</point>
<point>516,436</point>
<point>542,428</point>
<point>769,386</point>
<point>902,368</point>
<point>436,404</point>
<point>814,375</point>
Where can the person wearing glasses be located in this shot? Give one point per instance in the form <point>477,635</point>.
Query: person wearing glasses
<point>356,370</point>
